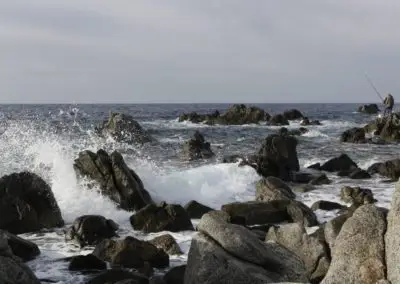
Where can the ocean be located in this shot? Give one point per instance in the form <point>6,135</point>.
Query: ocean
<point>46,139</point>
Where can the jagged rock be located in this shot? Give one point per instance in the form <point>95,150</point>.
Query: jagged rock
<point>292,114</point>
<point>86,262</point>
<point>369,109</point>
<point>390,169</point>
<point>123,128</point>
<point>116,180</point>
<point>196,148</point>
<point>278,157</point>
<point>241,114</point>
<point>320,180</point>
<point>168,244</point>
<point>358,255</point>
<point>326,205</point>
<point>309,248</point>
<point>91,229</point>
<point>341,163</point>
<point>118,276</point>
<point>175,275</point>
<point>306,122</point>
<point>27,204</point>
<point>131,253</point>
<point>272,188</point>
<point>356,195</point>
<point>388,128</point>
<point>359,174</point>
<point>196,210</point>
<point>163,217</point>
<point>198,118</point>
<point>276,211</point>
<point>277,120</point>
<point>354,135</point>
<point>24,249</point>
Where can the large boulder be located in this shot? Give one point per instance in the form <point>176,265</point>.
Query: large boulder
<point>341,163</point>
<point>354,135</point>
<point>91,229</point>
<point>163,217</point>
<point>24,249</point>
<point>131,253</point>
<point>196,210</point>
<point>12,269</point>
<point>123,128</point>
<point>272,188</point>
<point>313,251</point>
<point>358,255</point>
<point>241,114</point>
<point>167,243</point>
<point>277,120</point>
<point>27,204</point>
<point>390,169</point>
<point>196,148</point>
<point>175,275</point>
<point>356,196</point>
<point>276,211</point>
<point>369,109</point>
<point>86,263</point>
<point>227,253</point>
<point>278,157</point>
<point>292,114</point>
<point>359,174</point>
<point>388,127</point>
<point>116,180</point>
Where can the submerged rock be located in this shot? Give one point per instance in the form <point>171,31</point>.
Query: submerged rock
<point>306,122</point>
<point>24,249</point>
<point>277,120</point>
<point>293,132</point>
<point>197,148</point>
<point>354,135</point>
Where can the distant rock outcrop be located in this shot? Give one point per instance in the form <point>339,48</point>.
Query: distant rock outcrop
<point>369,109</point>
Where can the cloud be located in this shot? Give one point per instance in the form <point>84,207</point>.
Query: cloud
<point>197,51</point>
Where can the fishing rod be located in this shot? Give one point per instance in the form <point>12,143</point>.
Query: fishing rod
<point>372,85</point>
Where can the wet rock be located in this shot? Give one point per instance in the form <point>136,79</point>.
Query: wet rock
<point>276,211</point>
<point>326,205</point>
<point>24,249</point>
<point>306,122</point>
<point>354,135</point>
<point>356,195</point>
<point>86,262</point>
<point>131,253</point>
<point>168,244</point>
<point>390,169</point>
<point>369,109</point>
<point>304,188</point>
<point>195,210</point>
<point>320,180</point>
<point>292,114</point>
<point>293,132</point>
<point>164,217</point>
<point>309,248</point>
<point>116,180</point>
<point>278,157</point>
<point>358,255</point>
<point>359,174</point>
<point>272,188</point>
<point>116,276</point>
<point>175,275</point>
<point>341,163</point>
<point>198,118</point>
<point>196,148</point>
<point>239,114</point>
<point>27,204</point>
<point>91,229</point>
<point>277,120</point>
<point>388,128</point>
<point>316,166</point>
<point>124,128</point>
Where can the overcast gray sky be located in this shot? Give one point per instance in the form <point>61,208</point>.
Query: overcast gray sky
<point>198,51</point>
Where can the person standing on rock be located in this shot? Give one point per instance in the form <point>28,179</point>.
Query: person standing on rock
<point>388,102</point>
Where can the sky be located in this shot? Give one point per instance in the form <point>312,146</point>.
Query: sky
<point>198,51</point>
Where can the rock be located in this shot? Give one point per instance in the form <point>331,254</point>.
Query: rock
<point>278,157</point>
<point>277,120</point>
<point>86,262</point>
<point>304,188</point>
<point>359,252</point>
<point>369,109</point>
<point>292,114</point>
<point>359,174</point>
<point>120,183</point>
<point>356,195</point>
<point>195,117</point>
<point>390,169</point>
<point>341,163</point>
<point>12,269</point>
<point>320,180</point>
<point>332,228</point>
<point>196,148</point>
<point>293,132</point>
<point>24,249</point>
<point>27,204</point>
<point>123,128</point>
<point>116,276</point>
<point>226,253</point>
<point>316,166</point>
<point>272,188</point>
<point>167,243</point>
<point>157,279</point>
<point>175,275</point>
<point>195,210</point>
<point>354,135</point>
<point>164,217</point>
<point>309,248</point>
<point>276,211</point>
<point>306,122</point>
<point>326,205</point>
<point>239,114</point>
<point>91,229</point>
<point>131,253</point>
<point>388,128</point>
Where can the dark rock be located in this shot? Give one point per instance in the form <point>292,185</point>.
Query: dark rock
<point>356,195</point>
<point>388,128</point>
<point>164,217</point>
<point>124,128</point>
<point>316,166</point>
<point>168,244</point>
<point>278,120</point>
<point>359,174</point>
<point>292,114</point>
<point>195,210</point>
<point>115,276</point>
<point>241,114</point>
<point>175,275</point>
<point>27,204</point>
<point>272,188</point>
<point>278,157</point>
<point>86,262</point>
<point>306,122</point>
<point>326,205</point>
<point>196,148</point>
<point>354,135</point>
<point>91,229</point>
<point>293,132</point>
<point>24,249</point>
<point>120,183</point>
<point>195,117</point>
<point>276,211</point>
<point>390,169</point>
<point>320,180</point>
<point>341,163</point>
<point>369,109</point>
<point>131,253</point>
